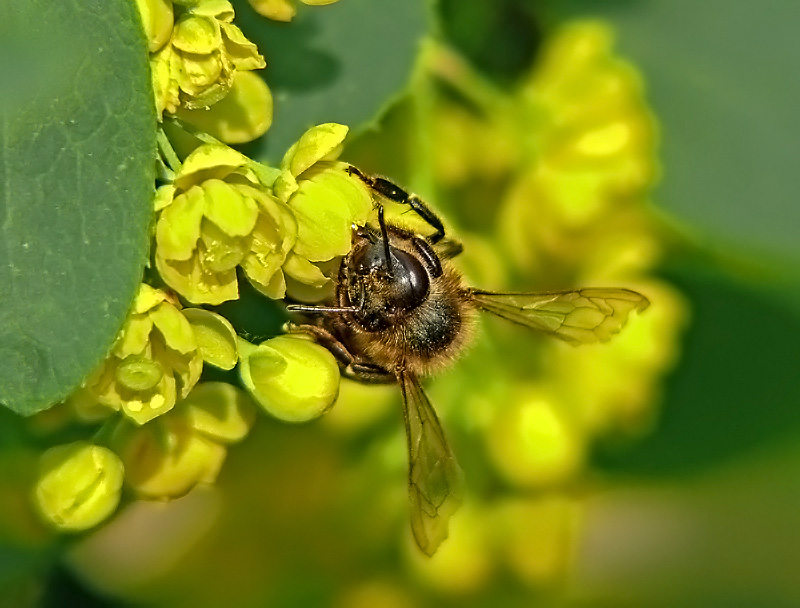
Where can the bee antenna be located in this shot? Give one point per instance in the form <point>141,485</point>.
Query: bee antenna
<point>387,253</point>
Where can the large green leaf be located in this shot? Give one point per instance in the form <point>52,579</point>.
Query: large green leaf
<point>77,141</point>
<point>722,79</point>
<point>337,63</point>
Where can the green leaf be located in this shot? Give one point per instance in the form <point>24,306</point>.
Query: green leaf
<point>77,145</point>
<point>500,38</point>
<point>722,80</point>
<point>338,63</point>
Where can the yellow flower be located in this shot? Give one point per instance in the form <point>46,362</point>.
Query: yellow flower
<point>154,360</point>
<point>214,217</point>
<point>79,485</point>
<point>325,199</point>
<point>197,68</point>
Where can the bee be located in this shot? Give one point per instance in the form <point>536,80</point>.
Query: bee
<point>403,312</point>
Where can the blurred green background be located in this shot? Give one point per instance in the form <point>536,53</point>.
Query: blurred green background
<point>702,509</point>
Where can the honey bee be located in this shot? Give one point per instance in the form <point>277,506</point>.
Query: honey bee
<point>402,312</point>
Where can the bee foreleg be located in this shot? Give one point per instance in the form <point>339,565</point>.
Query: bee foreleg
<point>395,193</point>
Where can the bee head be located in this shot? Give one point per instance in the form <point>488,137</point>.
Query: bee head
<point>384,289</point>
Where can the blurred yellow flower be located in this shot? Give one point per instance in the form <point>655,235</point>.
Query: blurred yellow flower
<point>168,457</point>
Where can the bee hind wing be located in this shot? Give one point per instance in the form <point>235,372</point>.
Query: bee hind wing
<point>580,316</point>
<point>435,481</point>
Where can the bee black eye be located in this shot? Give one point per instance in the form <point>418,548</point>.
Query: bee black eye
<point>410,281</point>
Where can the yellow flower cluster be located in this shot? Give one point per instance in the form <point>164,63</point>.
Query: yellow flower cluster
<point>201,65</point>
<point>573,144</point>
<point>195,69</point>
<point>216,215</point>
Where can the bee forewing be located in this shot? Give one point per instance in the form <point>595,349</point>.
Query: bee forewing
<point>435,481</point>
<point>581,316</point>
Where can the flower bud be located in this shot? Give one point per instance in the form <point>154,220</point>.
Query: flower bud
<point>291,377</point>
<point>79,485</point>
<point>167,458</point>
<point>216,338</point>
<point>157,20</point>
<point>219,410</point>
<point>243,115</point>
<point>277,10</point>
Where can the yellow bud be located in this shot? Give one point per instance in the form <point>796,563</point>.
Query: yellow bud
<point>157,19</point>
<point>198,35</point>
<point>243,115</point>
<point>291,377</point>
<point>79,485</point>
<point>277,10</point>
<point>216,338</point>
<point>167,458</point>
<point>219,410</point>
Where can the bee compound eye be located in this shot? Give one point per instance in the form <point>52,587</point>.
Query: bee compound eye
<point>410,282</point>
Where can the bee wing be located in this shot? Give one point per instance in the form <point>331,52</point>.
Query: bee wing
<point>435,482</point>
<point>581,316</point>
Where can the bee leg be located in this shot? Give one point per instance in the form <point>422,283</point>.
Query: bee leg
<point>325,339</point>
<point>448,248</point>
<point>348,364</point>
<point>395,193</point>
<point>368,374</point>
